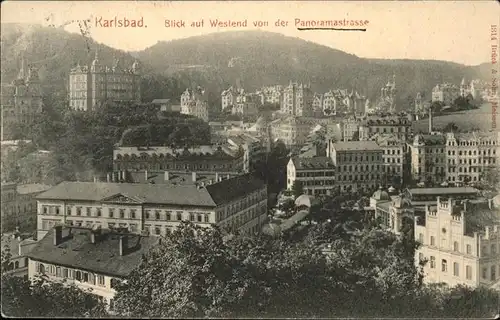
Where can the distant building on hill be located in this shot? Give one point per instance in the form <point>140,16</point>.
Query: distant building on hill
<point>195,103</point>
<point>20,102</point>
<point>297,100</point>
<point>90,86</point>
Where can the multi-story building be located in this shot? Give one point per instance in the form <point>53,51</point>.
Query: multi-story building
<point>471,155</point>
<point>19,205</point>
<point>398,126</point>
<point>316,175</point>
<point>455,157</point>
<point>297,100</point>
<point>355,103</point>
<point>20,102</point>
<point>90,86</point>
<point>428,158</point>
<point>359,165</point>
<point>445,93</point>
<point>395,157</point>
<point>195,103</point>
<point>292,131</point>
<point>329,103</point>
<point>253,150</point>
<point>387,100</point>
<point>235,204</point>
<point>206,158</point>
<point>96,259</point>
<point>420,197</point>
<point>271,95</point>
<point>350,129</point>
<point>460,243</point>
<point>246,104</point>
<point>228,98</point>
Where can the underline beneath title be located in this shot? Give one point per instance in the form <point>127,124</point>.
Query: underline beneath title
<point>334,29</point>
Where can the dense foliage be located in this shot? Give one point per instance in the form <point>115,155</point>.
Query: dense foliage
<point>362,271</point>
<point>81,143</point>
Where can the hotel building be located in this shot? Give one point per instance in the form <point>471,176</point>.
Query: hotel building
<point>235,204</point>
<point>90,86</point>
<point>195,103</point>
<point>398,126</point>
<point>445,93</point>
<point>292,131</point>
<point>460,242</point>
<point>297,100</point>
<point>317,174</point>
<point>359,164</point>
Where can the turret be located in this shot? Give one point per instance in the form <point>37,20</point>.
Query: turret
<point>95,64</point>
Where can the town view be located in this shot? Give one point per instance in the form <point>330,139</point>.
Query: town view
<point>244,174</point>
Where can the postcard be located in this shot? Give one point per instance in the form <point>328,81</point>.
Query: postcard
<point>250,159</point>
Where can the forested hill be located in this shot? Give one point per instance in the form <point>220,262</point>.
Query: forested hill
<point>215,61</point>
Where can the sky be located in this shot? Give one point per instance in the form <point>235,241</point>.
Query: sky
<point>458,31</point>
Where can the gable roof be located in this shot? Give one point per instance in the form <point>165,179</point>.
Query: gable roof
<point>318,163</point>
<point>77,251</point>
<point>234,188</point>
<point>356,146</point>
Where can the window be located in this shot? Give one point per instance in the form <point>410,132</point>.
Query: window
<point>433,241</point>
<point>207,218</point>
<point>122,213</point>
<point>493,273</point>
<point>468,272</point>
<point>100,281</point>
<point>85,277</point>
<point>65,272</point>
<point>485,273</point>
<point>147,214</point>
<point>493,249</point>
<point>456,268</point>
<point>132,213</point>
<point>111,212</point>
<point>58,272</point>
<point>99,213</point>
<point>57,210</point>
<point>157,230</point>
<point>191,216</point>
<point>78,211</point>
<point>16,265</point>
<point>444,265</point>
<point>420,238</point>
<point>157,215</point>
<point>455,246</point>
<point>179,216</point>
<point>88,212</point>
<point>168,216</point>
<point>78,275</point>
<point>45,210</point>
<point>200,218</point>
<point>433,262</point>
<point>469,249</point>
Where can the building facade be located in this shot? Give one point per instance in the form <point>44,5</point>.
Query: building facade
<point>297,100</point>
<point>359,165</point>
<point>20,102</point>
<point>455,157</point>
<point>271,95</point>
<point>235,204</point>
<point>396,166</point>
<point>398,126</point>
<point>460,247</point>
<point>90,86</point>
<point>445,93</point>
<point>292,131</point>
<point>394,212</point>
<point>316,174</point>
<point>194,103</point>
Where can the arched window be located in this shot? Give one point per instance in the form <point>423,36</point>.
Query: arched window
<point>16,265</point>
<point>78,275</point>
<point>455,246</point>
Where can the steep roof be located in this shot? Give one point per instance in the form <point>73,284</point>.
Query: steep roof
<point>188,195</point>
<point>77,251</point>
<point>32,188</point>
<point>234,188</point>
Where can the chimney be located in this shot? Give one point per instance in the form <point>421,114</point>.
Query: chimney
<point>146,175</point>
<point>430,119</point>
<point>194,176</point>
<point>123,244</point>
<point>57,235</point>
<point>108,178</point>
<point>167,176</point>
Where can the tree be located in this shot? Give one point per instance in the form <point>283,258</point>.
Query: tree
<point>297,188</point>
<point>451,127</point>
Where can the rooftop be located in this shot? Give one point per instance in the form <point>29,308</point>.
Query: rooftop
<point>179,177</point>
<point>76,250</point>
<point>356,146</point>
<point>200,151</point>
<point>187,195</point>
<point>443,191</point>
<point>32,188</point>
<point>160,101</point>
<point>317,163</point>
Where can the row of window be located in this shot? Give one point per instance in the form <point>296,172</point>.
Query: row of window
<point>356,168</point>
<point>315,174</point>
<point>368,177</point>
<point>456,246</point>
<point>74,274</point>
<point>359,158</point>
<point>468,269</point>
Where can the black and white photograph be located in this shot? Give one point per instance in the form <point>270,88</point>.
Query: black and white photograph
<point>250,159</point>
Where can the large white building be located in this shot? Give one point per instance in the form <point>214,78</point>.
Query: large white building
<point>238,203</point>
<point>297,100</point>
<point>460,241</point>
<point>317,174</point>
<point>194,102</point>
